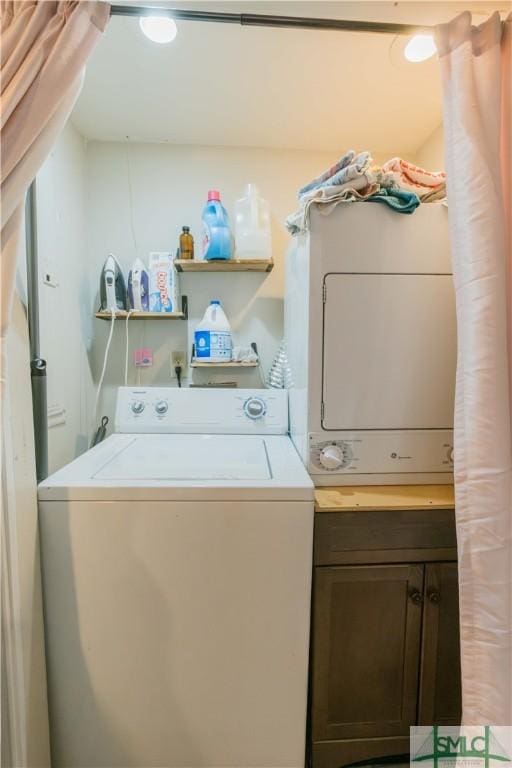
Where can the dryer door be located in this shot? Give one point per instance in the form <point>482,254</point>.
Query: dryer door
<point>389,351</point>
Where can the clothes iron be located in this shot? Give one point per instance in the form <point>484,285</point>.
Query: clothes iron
<point>138,287</point>
<point>112,286</point>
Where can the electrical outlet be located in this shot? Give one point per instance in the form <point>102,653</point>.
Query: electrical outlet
<point>178,357</point>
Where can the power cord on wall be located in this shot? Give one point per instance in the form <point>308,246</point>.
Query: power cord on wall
<point>105,360</point>
<point>101,431</point>
<point>126,352</point>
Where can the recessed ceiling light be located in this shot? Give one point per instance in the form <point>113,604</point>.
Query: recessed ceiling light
<point>159,29</point>
<point>420,48</point>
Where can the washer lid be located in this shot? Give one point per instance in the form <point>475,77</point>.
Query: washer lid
<point>172,467</point>
<point>188,457</point>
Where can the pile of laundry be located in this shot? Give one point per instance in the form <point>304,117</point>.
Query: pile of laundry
<point>355,177</point>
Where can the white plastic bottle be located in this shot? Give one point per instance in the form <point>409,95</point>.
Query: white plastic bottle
<point>212,337</point>
<point>252,226</point>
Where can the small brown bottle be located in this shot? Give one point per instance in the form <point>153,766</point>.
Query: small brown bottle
<point>186,244</point>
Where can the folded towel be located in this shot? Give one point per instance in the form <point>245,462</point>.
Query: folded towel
<point>327,198</point>
<point>354,170</point>
<point>354,178</point>
<point>400,200</point>
<point>428,185</point>
<point>344,161</point>
<point>434,196</point>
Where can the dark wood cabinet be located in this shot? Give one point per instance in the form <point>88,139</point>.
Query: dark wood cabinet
<point>385,632</point>
<point>366,636</point>
<point>440,694</point>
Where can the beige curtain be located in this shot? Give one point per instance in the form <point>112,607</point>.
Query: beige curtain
<point>476,66</point>
<point>44,47</point>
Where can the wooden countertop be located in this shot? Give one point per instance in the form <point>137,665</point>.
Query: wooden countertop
<point>351,498</point>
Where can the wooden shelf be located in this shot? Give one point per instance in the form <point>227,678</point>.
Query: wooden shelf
<point>122,314</point>
<point>228,265</point>
<point>142,315</point>
<point>231,364</point>
<point>374,497</point>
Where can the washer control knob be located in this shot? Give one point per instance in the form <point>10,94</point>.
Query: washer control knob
<point>254,408</point>
<point>332,457</point>
<point>137,406</point>
<point>161,407</point>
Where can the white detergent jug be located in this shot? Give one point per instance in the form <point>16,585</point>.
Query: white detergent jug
<point>212,338</point>
<point>252,226</point>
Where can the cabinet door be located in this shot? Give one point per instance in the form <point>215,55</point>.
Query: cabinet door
<point>440,686</point>
<point>366,650</point>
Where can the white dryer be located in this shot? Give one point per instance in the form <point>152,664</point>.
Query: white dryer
<point>371,337</point>
<point>176,563</point>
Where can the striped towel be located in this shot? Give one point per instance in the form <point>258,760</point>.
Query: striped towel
<point>342,163</point>
<point>428,185</point>
<point>354,170</point>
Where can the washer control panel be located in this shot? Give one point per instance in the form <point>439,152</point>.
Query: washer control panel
<point>381,452</point>
<point>255,407</point>
<point>197,410</point>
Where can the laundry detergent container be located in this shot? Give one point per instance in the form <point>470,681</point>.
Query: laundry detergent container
<point>212,337</point>
<point>252,226</point>
<point>217,237</point>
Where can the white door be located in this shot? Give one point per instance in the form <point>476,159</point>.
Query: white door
<point>389,351</point>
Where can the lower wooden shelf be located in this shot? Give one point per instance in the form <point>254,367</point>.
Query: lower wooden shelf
<point>121,314</point>
<point>231,364</point>
<point>194,363</point>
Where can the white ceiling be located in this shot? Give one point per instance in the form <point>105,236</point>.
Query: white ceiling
<point>220,84</point>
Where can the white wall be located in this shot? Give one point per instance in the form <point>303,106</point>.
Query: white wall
<point>65,320</point>
<point>168,189</point>
<point>431,155</point>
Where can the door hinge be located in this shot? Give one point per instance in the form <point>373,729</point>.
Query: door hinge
<point>322,409</point>
<point>324,293</point>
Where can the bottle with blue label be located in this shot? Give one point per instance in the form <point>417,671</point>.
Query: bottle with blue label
<point>217,238</point>
<point>212,338</point>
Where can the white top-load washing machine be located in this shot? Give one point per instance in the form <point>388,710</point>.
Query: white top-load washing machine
<point>176,563</point>
<point>371,339</point>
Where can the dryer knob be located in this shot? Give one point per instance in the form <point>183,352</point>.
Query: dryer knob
<point>331,457</point>
<point>137,406</point>
<point>161,407</point>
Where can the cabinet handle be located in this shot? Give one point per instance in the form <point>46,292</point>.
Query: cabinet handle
<point>434,596</point>
<point>416,596</point>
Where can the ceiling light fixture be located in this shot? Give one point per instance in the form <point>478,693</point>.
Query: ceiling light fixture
<point>159,29</point>
<point>420,48</point>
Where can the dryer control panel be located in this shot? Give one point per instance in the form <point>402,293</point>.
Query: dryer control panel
<point>195,410</point>
<point>386,452</point>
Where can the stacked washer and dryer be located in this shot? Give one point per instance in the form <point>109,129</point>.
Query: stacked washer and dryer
<point>370,333</point>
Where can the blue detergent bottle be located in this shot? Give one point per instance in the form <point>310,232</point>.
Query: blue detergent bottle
<point>217,238</point>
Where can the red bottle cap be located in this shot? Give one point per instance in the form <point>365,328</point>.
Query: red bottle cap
<point>213,194</point>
